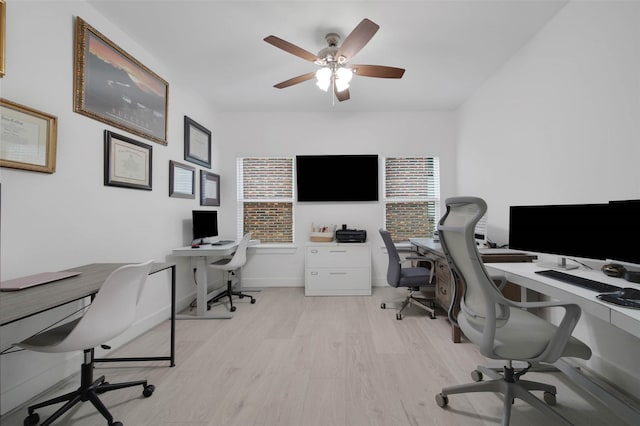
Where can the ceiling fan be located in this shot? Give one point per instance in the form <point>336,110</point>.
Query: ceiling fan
<point>333,60</point>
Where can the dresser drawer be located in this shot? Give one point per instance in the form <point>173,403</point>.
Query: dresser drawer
<point>338,256</point>
<point>337,281</point>
<point>444,290</point>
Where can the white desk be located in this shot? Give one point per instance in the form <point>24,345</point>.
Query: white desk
<point>523,274</point>
<point>627,319</point>
<point>200,255</point>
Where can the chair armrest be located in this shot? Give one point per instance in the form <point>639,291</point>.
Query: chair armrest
<point>501,278</point>
<point>432,265</point>
<point>556,345</point>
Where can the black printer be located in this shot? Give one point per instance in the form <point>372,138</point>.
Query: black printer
<point>351,235</point>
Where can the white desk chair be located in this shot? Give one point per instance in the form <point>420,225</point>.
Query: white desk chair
<point>503,329</point>
<point>109,315</point>
<point>231,267</point>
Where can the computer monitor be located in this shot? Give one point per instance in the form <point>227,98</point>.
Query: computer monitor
<point>576,230</point>
<point>205,226</point>
<point>623,232</point>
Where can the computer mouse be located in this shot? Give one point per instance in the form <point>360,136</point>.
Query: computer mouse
<point>613,269</point>
<point>630,293</point>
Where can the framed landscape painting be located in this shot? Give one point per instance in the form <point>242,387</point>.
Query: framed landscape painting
<point>112,87</point>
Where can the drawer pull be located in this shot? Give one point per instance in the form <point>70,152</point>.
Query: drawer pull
<point>337,273</point>
<point>314,273</point>
<point>443,290</point>
<point>337,251</point>
<point>314,251</point>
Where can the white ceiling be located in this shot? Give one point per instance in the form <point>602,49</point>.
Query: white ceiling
<point>448,47</point>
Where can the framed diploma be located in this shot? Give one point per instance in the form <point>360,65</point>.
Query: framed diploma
<point>182,180</point>
<point>127,163</point>
<point>209,189</point>
<point>27,138</point>
<point>197,143</point>
<point>3,33</point>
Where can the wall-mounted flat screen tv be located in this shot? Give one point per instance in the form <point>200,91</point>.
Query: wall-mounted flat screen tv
<point>337,178</point>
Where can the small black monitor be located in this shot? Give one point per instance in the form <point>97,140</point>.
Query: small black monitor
<point>205,225</point>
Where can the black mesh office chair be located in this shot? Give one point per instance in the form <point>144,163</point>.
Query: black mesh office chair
<point>414,279</point>
<point>502,328</point>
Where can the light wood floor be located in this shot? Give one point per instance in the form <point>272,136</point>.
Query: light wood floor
<point>304,361</point>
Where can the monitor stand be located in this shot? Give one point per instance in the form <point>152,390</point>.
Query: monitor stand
<point>560,264</point>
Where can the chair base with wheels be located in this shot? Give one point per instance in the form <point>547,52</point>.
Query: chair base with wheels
<point>88,391</point>
<point>511,387</point>
<point>230,293</point>
<point>427,304</point>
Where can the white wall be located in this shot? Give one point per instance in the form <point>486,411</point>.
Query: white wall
<point>560,123</point>
<point>57,221</point>
<point>280,134</point>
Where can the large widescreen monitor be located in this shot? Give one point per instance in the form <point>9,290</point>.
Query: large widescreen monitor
<point>623,231</point>
<point>578,230</point>
<point>336,178</point>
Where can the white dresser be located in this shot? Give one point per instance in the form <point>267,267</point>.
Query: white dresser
<point>337,269</point>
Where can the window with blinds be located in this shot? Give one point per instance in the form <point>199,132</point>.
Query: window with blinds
<point>265,198</point>
<point>411,196</point>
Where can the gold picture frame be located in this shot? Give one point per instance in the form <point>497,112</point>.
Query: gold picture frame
<point>113,87</point>
<point>3,35</point>
<point>28,138</point>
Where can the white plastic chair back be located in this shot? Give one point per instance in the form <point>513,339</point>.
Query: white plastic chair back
<point>112,311</point>
<point>239,257</point>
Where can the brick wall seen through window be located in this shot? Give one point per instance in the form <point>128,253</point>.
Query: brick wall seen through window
<point>265,198</point>
<point>411,196</point>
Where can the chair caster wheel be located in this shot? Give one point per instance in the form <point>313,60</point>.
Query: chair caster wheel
<point>117,424</point>
<point>148,391</point>
<point>232,309</point>
<point>208,307</point>
<point>32,419</point>
<point>398,316</point>
<point>383,306</point>
<point>549,398</point>
<point>476,376</point>
<point>442,400</point>
<point>253,301</point>
<point>433,316</point>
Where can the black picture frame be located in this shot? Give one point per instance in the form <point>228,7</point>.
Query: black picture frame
<point>127,162</point>
<point>209,188</point>
<point>197,143</point>
<point>182,180</point>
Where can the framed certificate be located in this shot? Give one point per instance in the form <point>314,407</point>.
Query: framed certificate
<point>127,163</point>
<point>27,138</point>
<point>197,143</point>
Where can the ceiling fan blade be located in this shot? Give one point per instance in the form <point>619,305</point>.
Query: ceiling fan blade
<point>357,39</point>
<point>291,48</point>
<point>342,96</point>
<point>377,71</point>
<point>295,80</point>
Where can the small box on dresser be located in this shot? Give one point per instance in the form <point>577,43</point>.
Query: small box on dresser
<point>337,269</point>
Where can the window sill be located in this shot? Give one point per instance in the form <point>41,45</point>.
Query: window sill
<point>274,248</point>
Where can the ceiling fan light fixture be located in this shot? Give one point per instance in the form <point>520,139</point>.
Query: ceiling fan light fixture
<point>343,78</point>
<point>323,77</point>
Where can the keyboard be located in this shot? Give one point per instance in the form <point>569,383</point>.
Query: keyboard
<point>579,281</point>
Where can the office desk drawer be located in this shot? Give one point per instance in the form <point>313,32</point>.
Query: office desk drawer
<point>338,282</point>
<point>342,256</point>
